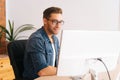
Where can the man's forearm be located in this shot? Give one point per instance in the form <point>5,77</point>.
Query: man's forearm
<point>48,71</point>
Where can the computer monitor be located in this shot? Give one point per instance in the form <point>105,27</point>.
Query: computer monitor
<point>77,47</point>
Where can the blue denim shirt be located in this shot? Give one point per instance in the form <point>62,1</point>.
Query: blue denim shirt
<point>39,53</point>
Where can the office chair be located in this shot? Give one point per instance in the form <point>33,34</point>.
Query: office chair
<point>16,54</point>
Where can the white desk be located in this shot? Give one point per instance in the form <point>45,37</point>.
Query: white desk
<point>101,76</point>
<point>88,77</point>
<point>53,78</point>
<point>114,73</point>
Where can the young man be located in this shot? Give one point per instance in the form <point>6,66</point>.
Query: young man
<point>42,48</point>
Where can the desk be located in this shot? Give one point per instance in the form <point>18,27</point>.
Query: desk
<point>114,73</point>
<point>53,78</point>
<point>88,77</point>
<point>101,76</point>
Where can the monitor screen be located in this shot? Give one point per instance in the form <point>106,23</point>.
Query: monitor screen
<point>78,48</point>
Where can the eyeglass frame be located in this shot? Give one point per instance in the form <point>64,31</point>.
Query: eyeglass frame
<point>55,22</point>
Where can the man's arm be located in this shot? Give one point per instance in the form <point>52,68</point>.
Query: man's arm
<point>48,71</point>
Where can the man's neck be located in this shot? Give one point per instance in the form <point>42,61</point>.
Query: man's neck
<point>51,39</point>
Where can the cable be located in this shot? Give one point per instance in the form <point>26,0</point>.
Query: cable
<point>99,59</point>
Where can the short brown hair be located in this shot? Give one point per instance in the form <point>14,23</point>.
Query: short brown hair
<point>50,10</point>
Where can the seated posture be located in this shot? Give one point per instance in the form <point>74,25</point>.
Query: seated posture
<point>41,54</point>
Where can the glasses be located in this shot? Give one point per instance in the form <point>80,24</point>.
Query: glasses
<point>55,22</point>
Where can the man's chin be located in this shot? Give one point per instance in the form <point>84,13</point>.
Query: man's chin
<point>56,33</point>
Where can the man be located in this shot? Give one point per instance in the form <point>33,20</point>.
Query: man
<point>42,48</point>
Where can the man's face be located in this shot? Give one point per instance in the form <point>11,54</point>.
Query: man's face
<point>53,24</point>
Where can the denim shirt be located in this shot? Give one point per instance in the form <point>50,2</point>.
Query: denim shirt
<point>39,53</point>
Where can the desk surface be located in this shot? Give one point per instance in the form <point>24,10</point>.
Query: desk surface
<point>87,77</point>
<point>53,78</point>
<point>101,76</point>
<point>114,74</point>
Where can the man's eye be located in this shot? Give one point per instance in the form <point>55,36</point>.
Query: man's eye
<point>55,21</point>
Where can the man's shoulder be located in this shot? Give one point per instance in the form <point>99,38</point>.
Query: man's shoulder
<point>39,35</point>
<point>36,34</point>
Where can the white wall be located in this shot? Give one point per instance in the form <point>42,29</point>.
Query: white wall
<point>78,14</point>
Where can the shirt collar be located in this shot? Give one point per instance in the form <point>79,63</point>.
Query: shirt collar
<point>46,36</point>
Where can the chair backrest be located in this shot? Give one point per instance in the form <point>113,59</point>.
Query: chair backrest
<point>16,51</point>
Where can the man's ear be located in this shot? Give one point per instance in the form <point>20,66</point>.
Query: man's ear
<point>44,20</point>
